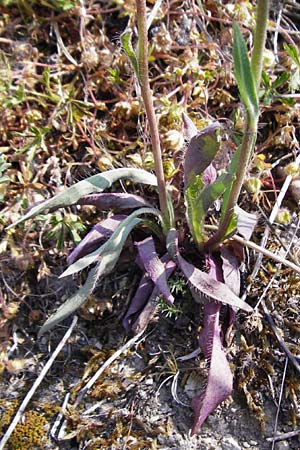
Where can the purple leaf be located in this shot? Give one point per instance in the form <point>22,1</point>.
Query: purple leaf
<point>205,288</point>
<point>200,152</point>
<point>98,234</point>
<point>231,270</point>
<point>143,292</point>
<point>154,267</point>
<point>220,379</point>
<point>190,128</point>
<point>151,306</point>
<point>114,200</point>
<point>144,302</point>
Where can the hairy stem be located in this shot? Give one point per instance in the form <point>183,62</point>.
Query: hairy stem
<point>262,13</point>
<point>148,102</point>
<point>248,144</point>
<point>250,128</point>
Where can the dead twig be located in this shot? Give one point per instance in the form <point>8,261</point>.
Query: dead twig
<point>272,217</point>
<point>284,436</point>
<point>279,401</point>
<point>281,342</point>
<point>36,384</point>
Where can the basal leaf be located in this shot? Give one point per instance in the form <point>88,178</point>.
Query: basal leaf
<point>220,379</point>
<point>114,200</point>
<point>200,152</point>
<point>231,270</point>
<point>154,267</point>
<point>139,300</point>
<point>141,322</point>
<point>104,267</point>
<point>99,233</point>
<point>145,300</point>
<point>211,193</point>
<point>243,73</point>
<point>111,251</point>
<point>203,287</point>
<point>96,183</point>
<point>114,244</point>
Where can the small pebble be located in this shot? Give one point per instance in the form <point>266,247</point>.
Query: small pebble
<point>282,445</point>
<point>229,443</point>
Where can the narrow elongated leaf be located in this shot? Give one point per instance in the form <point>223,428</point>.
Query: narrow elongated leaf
<point>154,267</point>
<point>243,73</point>
<point>203,287</point>
<point>139,300</point>
<point>200,152</point>
<point>99,233</point>
<point>220,379</point>
<point>126,42</point>
<point>109,258</point>
<point>114,201</point>
<point>114,244</point>
<point>103,268</point>
<point>140,323</point>
<point>211,193</point>
<point>96,183</point>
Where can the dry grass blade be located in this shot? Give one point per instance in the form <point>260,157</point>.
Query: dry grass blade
<point>36,384</point>
<point>272,217</point>
<point>279,401</point>
<point>107,363</point>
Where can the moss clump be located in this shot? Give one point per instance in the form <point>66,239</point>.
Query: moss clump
<point>30,432</point>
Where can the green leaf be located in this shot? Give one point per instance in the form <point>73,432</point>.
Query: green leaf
<point>76,300</point>
<point>199,198</point>
<point>96,183</point>
<point>243,73</point>
<point>292,52</point>
<point>113,244</point>
<point>128,48</point>
<point>282,79</point>
<point>204,200</point>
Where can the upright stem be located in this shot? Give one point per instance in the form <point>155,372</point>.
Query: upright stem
<point>248,144</point>
<point>250,129</point>
<point>262,14</point>
<point>148,102</point>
